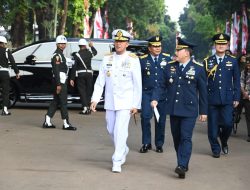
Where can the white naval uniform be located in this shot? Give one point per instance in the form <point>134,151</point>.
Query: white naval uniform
<point>121,76</point>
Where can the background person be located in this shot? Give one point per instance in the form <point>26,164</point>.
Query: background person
<point>6,58</point>
<point>83,73</point>
<point>60,71</point>
<point>223,94</point>
<point>152,66</point>
<point>245,91</point>
<point>120,73</point>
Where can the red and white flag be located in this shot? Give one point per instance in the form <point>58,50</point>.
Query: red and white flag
<point>87,30</point>
<point>235,33</point>
<point>244,30</point>
<point>106,34</point>
<point>98,29</point>
<point>227,31</point>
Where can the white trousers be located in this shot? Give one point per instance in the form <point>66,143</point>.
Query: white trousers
<point>117,126</point>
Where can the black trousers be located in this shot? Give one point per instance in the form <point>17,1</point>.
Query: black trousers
<point>59,100</point>
<point>85,88</point>
<point>5,84</point>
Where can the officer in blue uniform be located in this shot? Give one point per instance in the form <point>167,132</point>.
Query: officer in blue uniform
<point>223,94</point>
<point>185,84</point>
<point>152,66</point>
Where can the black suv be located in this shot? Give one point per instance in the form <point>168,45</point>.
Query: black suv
<point>35,82</point>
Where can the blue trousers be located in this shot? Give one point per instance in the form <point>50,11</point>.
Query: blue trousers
<point>146,116</point>
<point>220,124</point>
<point>182,131</point>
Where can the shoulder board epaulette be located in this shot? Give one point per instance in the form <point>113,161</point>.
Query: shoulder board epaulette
<point>197,63</point>
<point>144,56</point>
<point>232,56</point>
<point>172,61</point>
<point>166,54</point>
<point>107,54</point>
<point>133,55</point>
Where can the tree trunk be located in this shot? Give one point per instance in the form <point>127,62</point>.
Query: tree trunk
<point>64,17</point>
<point>76,30</point>
<point>18,31</point>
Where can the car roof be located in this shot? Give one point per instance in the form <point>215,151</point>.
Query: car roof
<point>131,42</point>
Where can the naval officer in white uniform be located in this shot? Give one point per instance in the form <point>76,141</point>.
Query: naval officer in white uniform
<point>120,73</point>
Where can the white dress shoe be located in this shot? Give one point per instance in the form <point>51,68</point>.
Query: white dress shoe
<point>116,169</point>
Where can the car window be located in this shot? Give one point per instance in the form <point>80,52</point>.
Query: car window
<point>45,52</point>
<point>71,48</point>
<point>20,55</point>
<point>102,49</point>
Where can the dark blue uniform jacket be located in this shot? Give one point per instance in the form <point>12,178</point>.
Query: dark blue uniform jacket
<point>223,80</point>
<point>186,90</point>
<point>152,74</point>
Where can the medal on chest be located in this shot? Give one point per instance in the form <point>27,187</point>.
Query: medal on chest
<point>108,73</point>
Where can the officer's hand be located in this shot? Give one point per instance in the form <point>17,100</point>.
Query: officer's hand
<point>203,118</point>
<point>245,95</point>
<point>154,103</point>
<point>235,104</point>
<point>58,89</point>
<point>93,106</point>
<point>72,83</point>
<point>133,111</point>
<point>90,44</point>
<point>17,76</point>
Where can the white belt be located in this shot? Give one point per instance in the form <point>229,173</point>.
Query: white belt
<point>4,69</point>
<point>84,71</point>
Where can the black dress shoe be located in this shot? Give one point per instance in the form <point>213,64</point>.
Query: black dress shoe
<point>71,128</point>
<point>181,171</point>
<point>5,114</point>
<point>216,155</point>
<point>225,149</point>
<point>159,149</point>
<point>88,112</point>
<point>45,125</point>
<point>145,148</point>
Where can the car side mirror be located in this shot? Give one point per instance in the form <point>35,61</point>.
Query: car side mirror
<point>31,60</point>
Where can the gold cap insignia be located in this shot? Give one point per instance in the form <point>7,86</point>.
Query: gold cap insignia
<point>157,38</point>
<point>119,34</point>
<point>221,37</point>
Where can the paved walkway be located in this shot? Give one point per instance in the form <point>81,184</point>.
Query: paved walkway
<point>32,158</point>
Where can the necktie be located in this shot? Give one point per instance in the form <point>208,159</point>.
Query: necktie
<point>155,60</point>
<point>220,60</point>
<point>181,68</point>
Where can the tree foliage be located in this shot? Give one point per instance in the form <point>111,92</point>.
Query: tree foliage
<point>148,18</point>
<point>145,15</point>
<point>203,18</point>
